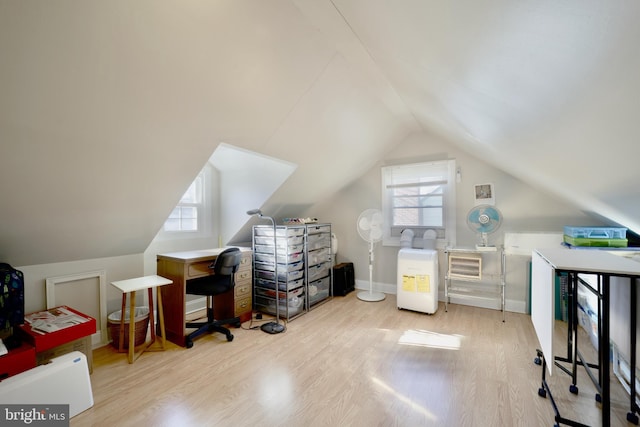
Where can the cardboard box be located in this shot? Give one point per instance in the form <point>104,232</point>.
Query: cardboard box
<point>82,345</point>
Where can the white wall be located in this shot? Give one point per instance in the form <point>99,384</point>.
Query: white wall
<point>525,209</point>
<point>117,268</point>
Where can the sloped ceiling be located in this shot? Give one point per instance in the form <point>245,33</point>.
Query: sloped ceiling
<point>108,110</point>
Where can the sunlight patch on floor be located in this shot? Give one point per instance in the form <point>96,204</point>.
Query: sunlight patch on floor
<point>275,391</point>
<point>400,397</point>
<point>422,338</point>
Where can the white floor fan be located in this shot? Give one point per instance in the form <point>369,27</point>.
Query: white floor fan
<point>370,229</point>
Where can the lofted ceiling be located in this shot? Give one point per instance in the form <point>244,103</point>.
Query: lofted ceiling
<point>108,110</point>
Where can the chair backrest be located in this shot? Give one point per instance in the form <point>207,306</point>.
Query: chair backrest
<point>227,262</point>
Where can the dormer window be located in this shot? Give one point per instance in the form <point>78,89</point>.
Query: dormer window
<point>186,215</point>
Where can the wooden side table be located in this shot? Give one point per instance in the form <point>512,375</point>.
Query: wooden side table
<point>130,286</point>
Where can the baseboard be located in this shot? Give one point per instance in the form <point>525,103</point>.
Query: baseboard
<point>514,306</point>
<point>196,305</point>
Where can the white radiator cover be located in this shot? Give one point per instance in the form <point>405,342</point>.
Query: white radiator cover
<point>65,380</point>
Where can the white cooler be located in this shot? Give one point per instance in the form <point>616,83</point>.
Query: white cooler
<point>418,280</point>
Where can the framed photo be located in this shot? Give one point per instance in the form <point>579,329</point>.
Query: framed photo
<point>484,194</point>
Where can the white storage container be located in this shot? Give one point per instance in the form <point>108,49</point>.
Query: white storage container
<point>294,306</point>
<point>319,290</point>
<point>418,280</point>
<point>289,285</point>
<point>282,258</point>
<point>318,256</point>
<point>318,271</point>
<point>280,232</point>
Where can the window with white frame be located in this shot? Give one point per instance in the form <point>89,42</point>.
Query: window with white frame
<point>187,214</point>
<point>420,197</point>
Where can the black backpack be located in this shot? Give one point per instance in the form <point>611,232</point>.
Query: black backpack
<point>11,297</point>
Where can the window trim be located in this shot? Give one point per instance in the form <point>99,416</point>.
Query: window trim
<point>447,233</point>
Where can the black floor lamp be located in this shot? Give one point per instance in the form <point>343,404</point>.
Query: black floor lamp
<point>272,327</point>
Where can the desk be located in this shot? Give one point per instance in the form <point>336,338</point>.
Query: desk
<point>183,266</point>
<point>130,286</point>
<point>546,263</point>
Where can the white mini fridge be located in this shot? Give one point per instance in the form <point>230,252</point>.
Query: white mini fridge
<point>418,280</point>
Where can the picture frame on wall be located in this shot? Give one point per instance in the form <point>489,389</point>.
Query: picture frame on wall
<point>484,194</point>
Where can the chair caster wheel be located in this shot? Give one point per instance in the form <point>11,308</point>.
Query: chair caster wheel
<point>573,389</point>
<point>188,343</point>
<point>632,418</point>
<point>542,392</point>
<point>537,361</point>
<point>599,399</point>
<point>230,337</point>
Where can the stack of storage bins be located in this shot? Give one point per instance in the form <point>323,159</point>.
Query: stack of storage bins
<point>290,260</point>
<point>319,269</point>
<point>615,237</point>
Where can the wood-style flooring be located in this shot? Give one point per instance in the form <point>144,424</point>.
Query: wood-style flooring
<point>347,363</point>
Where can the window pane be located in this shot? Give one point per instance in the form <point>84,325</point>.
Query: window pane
<point>188,212</point>
<point>189,224</point>
<point>406,201</point>
<point>431,217</point>
<point>185,216</point>
<point>172,224</point>
<point>433,200</point>
<point>406,217</point>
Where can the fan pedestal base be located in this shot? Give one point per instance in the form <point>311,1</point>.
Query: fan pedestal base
<point>371,296</point>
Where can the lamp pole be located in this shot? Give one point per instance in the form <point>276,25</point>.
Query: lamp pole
<point>272,327</point>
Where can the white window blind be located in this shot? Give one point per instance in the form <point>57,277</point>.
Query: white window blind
<point>418,196</point>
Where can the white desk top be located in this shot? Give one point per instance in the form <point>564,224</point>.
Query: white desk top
<point>197,255</point>
<point>590,261</point>
<point>139,283</point>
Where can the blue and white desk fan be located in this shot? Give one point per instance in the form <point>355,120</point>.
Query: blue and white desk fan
<point>484,220</point>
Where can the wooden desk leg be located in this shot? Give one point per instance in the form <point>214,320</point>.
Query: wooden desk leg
<point>161,317</point>
<point>152,322</point>
<point>121,337</point>
<point>132,333</point>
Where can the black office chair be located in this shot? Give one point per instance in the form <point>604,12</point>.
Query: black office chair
<point>221,281</point>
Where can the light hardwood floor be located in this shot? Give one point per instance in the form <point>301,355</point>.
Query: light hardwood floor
<point>346,363</point>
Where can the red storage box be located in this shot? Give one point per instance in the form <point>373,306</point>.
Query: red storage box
<point>46,340</point>
<point>17,360</point>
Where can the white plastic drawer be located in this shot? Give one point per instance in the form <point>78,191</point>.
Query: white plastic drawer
<point>268,249</point>
<point>282,276</point>
<point>318,256</point>
<point>280,232</point>
<point>319,290</point>
<point>282,242</point>
<point>288,286</point>
<point>282,268</point>
<point>282,258</point>
<point>318,271</point>
<point>320,228</point>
